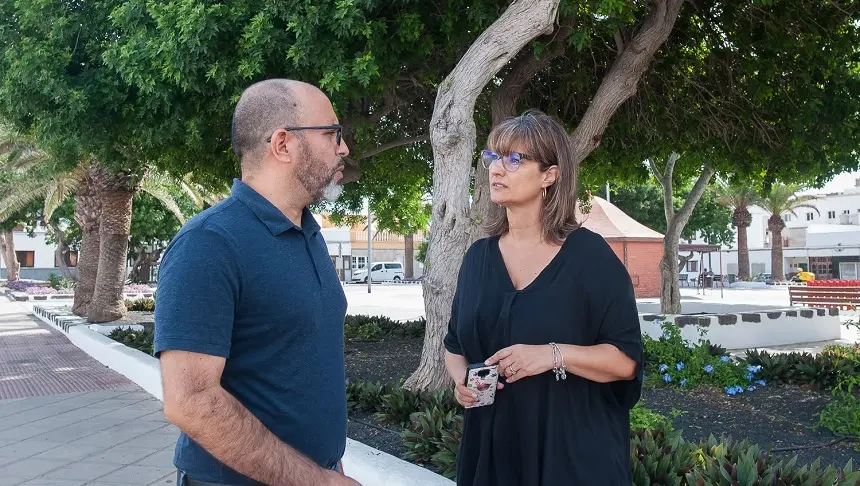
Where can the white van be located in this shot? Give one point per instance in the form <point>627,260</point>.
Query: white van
<point>380,272</point>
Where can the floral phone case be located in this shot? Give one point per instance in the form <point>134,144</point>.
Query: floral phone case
<point>483,380</point>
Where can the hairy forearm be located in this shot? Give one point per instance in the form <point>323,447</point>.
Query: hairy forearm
<point>456,365</point>
<point>225,428</point>
<point>602,363</point>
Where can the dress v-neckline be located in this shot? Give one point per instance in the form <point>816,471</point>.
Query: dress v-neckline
<point>497,250</point>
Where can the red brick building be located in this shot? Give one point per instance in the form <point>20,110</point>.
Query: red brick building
<point>639,247</point>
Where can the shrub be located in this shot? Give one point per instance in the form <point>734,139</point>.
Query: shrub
<point>374,328</point>
<point>660,457</point>
<point>145,305</point>
<point>398,404</point>
<point>61,283</point>
<point>674,361</point>
<point>140,340</point>
<point>823,371</point>
<point>642,418</point>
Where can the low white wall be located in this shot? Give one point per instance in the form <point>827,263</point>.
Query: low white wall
<point>365,464</point>
<point>777,327</point>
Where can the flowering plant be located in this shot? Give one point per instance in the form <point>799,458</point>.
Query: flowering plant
<point>678,362</point>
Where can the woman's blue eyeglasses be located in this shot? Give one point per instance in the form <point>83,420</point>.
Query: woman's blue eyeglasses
<point>510,162</point>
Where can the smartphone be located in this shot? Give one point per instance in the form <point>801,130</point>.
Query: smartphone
<point>483,380</point>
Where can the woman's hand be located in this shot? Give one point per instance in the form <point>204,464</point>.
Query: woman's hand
<point>466,396</point>
<point>522,360</point>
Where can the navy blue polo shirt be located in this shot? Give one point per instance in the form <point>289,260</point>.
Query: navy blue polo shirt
<point>242,282</point>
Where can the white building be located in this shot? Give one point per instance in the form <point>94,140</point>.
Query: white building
<point>35,255</point>
<point>826,242</point>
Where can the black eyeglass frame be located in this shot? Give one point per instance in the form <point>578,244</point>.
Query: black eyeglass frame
<point>337,127</point>
<point>514,159</point>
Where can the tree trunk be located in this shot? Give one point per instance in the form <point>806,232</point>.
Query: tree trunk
<point>87,215</point>
<point>503,106</point>
<point>108,303</point>
<point>141,270</point>
<point>409,266</point>
<point>452,133</point>
<point>7,246</point>
<point>60,253</point>
<point>670,292</point>
<point>777,271</point>
<point>743,253</point>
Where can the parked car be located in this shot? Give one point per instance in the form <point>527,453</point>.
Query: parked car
<point>380,272</point>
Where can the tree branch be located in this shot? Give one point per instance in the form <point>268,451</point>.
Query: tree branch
<point>619,42</point>
<point>683,214</point>
<point>390,145</point>
<point>619,84</point>
<point>504,101</point>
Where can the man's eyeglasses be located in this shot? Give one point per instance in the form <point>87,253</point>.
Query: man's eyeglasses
<point>510,162</point>
<point>338,128</point>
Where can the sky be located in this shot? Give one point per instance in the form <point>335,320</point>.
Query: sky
<point>839,183</point>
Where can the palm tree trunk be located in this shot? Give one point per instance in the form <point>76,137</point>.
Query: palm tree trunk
<point>7,247</point>
<point>87,215</point>
<point>116,198</point>
<point>776,270</point>
<point>743,253</point>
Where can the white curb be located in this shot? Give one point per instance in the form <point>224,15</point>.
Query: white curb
<point>369,466</point>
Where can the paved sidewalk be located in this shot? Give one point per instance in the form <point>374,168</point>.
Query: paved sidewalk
<point>108,431</point>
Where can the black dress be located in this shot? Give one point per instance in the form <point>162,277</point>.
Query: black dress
<point>539,431</point>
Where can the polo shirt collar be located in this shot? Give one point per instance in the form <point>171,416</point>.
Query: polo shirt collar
<point>271,216</point>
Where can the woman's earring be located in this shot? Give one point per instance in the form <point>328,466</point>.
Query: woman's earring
<point>544,192</point>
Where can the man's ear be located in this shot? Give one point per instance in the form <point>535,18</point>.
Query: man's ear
<point>280,146</point>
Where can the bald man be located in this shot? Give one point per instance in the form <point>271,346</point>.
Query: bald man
<point>250,315</point>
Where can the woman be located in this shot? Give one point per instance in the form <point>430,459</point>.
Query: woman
<point>551,305</point>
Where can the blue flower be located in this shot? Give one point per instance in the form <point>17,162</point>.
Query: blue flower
<point>724,359</point>
<point>734,390</point>
<point>760,382</point>
<point>751,388</point>
<point>680,366</point>
<point>753,369</point>
<point>663,367</point>
<point>684,382</point>
<point>667,378</point>
<point>709,369</point>
<point>750,377</point>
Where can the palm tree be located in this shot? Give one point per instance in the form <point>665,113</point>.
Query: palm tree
<point>739,197</point>
<point>98,295</point>
<point>782,198</point>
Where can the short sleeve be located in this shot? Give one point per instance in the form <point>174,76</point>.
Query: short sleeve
<point>198,292</point>
<point>620,328</point>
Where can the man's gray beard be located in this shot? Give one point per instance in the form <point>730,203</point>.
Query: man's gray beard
<point>331,191</point>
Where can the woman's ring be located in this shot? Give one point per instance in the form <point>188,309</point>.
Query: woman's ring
<point>511,369</point>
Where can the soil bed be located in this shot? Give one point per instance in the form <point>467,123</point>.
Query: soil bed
<point>774,416</point>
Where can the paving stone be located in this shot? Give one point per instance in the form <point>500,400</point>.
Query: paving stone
<point>52,482</point>
<point>136,475</point>
<point>166,480</point>
<point>27,448</point>
<point>82,471</point>
<point>123,455</point>
<point>30,468</point>
<point>163,458</point>
<point>77,453</point>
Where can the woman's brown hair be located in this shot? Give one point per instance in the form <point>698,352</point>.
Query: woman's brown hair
<point>548,142</point>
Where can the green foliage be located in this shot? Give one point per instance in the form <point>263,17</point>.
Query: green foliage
<point>842,414</point>
<point>140,340</point>
<point>834,366</point>
<point>644,203</point>
<point>642,418</point>
<point>673,361</point>
<point>375,328</point>
<point>143,305</point>
<point>660,457</point>
<point>729,463</point>
<point>421,252</point>
<point>398,404</point>
<point>61,283</point>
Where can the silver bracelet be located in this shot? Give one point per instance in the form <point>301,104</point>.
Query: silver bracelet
<point>560,372</point>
